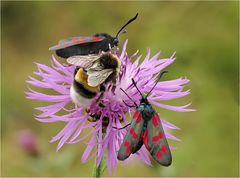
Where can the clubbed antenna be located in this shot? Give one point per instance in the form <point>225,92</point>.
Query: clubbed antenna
<point>134,83</point>
<point>129,97</point>
<point>131,20</point>
<point>160,76</point>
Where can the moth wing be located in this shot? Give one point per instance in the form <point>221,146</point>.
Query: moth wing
<point>133,139</point>
<point>84,61</point>
<point>75,41</point>
<point>97,77</point>
<point>155,141</point>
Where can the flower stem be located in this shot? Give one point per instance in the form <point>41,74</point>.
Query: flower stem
<point>98,171</point>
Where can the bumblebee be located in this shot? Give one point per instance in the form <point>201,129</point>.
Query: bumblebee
<point>91,75</point>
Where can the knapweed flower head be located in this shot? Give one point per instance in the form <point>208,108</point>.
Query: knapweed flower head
<point>27,140</point>
<point>104,119</point>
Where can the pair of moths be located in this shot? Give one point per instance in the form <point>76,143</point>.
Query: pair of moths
<point>94,68</point>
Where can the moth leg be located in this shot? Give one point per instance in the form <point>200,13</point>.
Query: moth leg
<point>122,127</point>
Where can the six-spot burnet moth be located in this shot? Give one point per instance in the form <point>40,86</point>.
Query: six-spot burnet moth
<point>146,128</point>
<point>87,45</point>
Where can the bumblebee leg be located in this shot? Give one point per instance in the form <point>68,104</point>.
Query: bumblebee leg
<point>87,110</point>
<point>113,89</point>
<point>100,97</point>
<point>102,88</point>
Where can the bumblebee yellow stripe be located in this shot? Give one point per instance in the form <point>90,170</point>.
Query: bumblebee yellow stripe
<point>82,78</point>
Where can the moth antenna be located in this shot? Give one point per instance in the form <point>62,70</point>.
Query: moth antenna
<point>160,76</point>
<point>122,127</point>
<point>131,20</point>
<point>122,32</point>
<point>129,97</point>
<point>134,83</point>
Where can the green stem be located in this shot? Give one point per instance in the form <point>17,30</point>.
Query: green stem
<point>98,171</point>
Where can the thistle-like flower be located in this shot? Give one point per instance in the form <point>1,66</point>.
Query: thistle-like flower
<point>105,118</point>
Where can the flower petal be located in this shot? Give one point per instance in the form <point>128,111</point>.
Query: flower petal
<point>88,149</point>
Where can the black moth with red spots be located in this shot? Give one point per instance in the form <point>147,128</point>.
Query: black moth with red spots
<point>146,128</point>
<point>87,45</point>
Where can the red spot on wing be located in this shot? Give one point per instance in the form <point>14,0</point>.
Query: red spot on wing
<point>139,119</point>
<point>80,40</point>
<point>135,136</point>
<point>97,39</point>
<point>74,39</point>
<point>155,138</point>
<point>145,138</point>
<point>65,44</point>
<point>131,131</point>
<point>161,135</point>
<point>155,120</point>
<point>158,119</point>
<point>164,149</point>
<point>126,143</point>
<point>136,114</point>
<point>159,155</point>
<point>128,151</point>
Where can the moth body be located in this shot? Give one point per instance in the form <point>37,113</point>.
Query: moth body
<point>146,128</point>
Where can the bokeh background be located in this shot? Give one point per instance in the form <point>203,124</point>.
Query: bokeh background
<point>205,37</point>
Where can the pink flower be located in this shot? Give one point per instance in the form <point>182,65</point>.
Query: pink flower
<point>104,134</point>
<point>28,142</point>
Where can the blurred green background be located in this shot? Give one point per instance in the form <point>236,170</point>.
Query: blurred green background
<point>205,37</point>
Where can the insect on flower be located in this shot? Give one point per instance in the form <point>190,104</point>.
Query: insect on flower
<point>101,136</point>
<point>90,76</point>
<point>146,128</point>
<point>88,45</point>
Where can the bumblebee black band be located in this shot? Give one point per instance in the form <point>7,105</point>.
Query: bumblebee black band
<point>83,91</point>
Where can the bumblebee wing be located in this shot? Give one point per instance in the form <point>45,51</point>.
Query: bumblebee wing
<point>75,41</point>
<point>155,141</point>
<point>84,61</point>
<point>133,139</point>
<point>97,77</point>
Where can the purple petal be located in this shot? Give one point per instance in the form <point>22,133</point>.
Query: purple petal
<point>51,109</point>
<point>143,155</point>
<point>169,125</point>
<point>43,97</point>
<point>171,137</point>
<point>82,138</point>
<point>63,131</point>
<point>88,149</point>
<point>79,130</point>
<point>173,108</point>
<point>170,95</point>
<point>124,49</point>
